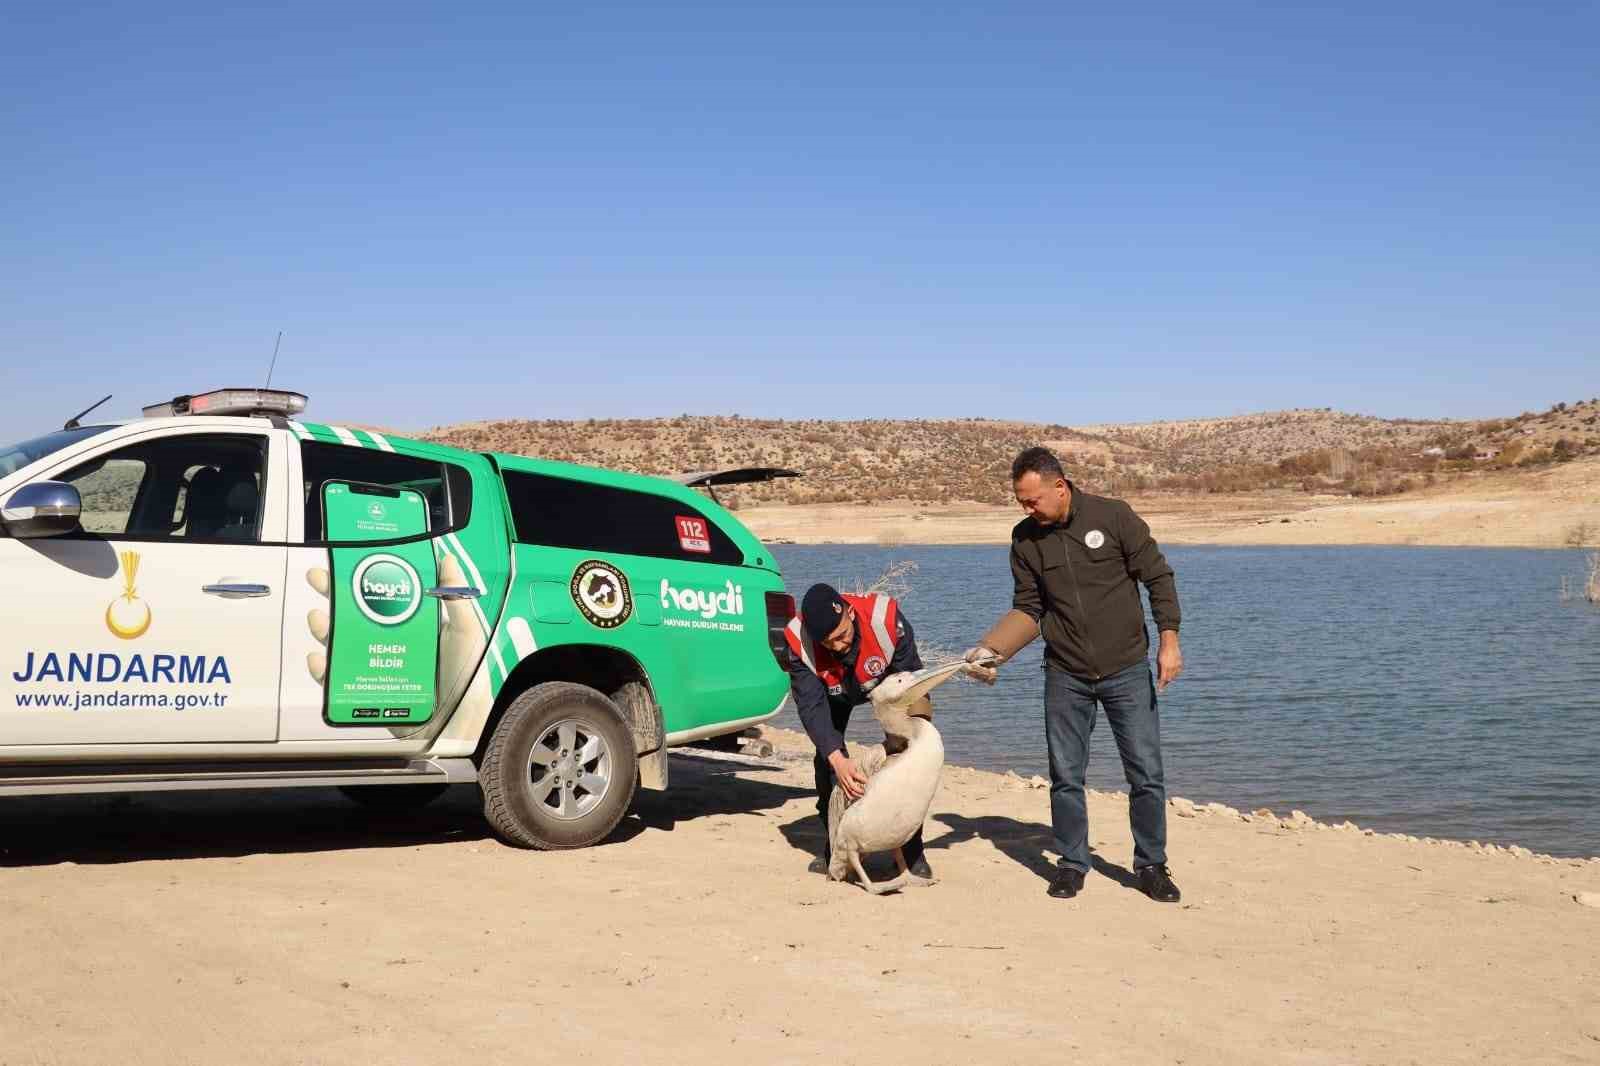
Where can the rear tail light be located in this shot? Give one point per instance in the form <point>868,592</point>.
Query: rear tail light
<point>780,611</point>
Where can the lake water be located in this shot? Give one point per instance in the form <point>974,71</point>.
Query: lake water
<point>1435,691</point>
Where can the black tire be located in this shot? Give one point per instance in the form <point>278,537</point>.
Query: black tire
<point>520,801</point>
<point>393,797</point>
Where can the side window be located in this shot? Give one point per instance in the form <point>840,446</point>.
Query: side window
<point>446,487</point>
<point>202,487</point>
<point>108,488</point>
<point>561,513</point>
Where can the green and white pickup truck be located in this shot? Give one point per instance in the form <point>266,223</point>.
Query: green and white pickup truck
<point>220,595</point>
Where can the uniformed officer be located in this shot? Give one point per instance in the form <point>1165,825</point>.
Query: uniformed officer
<point>840,647</point>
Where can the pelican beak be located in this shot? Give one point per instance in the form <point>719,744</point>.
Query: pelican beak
<point>928,680</point>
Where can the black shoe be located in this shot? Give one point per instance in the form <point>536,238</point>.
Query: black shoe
<point>1066,884</point>
<point>920,868</point>
<point>819,865</point>
<point>1156,882</point>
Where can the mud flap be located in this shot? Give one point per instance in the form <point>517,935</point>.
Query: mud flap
<point>653,770</point>
<point>639,707</point>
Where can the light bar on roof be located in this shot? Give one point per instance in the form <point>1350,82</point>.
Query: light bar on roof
<point>231,402</point>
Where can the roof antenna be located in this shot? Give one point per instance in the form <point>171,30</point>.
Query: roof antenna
<point>274,364</point>
<point>72,423</point>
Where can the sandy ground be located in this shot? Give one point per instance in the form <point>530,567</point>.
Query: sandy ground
<point>1534,509</point>
<point>296,928</point>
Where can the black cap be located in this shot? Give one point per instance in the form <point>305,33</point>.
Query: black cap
<point>821,610</point>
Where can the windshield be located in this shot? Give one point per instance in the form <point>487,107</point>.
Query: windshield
<point>14,457</point>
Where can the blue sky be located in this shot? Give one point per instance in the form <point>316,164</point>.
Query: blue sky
<point>1047,211</point>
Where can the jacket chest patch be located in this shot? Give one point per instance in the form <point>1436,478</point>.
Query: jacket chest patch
<point>1094,539</point>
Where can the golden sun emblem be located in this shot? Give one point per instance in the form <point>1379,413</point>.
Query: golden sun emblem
<point>128,616</point>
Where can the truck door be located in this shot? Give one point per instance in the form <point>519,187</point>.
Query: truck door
<point>354,663</point>
<point>158,621</point>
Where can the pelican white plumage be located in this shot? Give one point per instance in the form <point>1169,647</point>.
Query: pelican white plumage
<point>902,779</point>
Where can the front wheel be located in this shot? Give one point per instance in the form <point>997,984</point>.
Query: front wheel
<point>560,770</point>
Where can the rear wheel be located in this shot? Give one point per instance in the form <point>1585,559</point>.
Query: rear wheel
<point>560,770</point>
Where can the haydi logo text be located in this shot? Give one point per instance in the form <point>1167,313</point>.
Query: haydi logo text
<point>729,601</point>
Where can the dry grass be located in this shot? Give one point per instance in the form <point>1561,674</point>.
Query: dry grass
<point>955,460</point>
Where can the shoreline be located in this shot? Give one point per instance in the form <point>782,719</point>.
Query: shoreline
<point>781,543</point>
<point>1504,510</point>
<point>787,741</point>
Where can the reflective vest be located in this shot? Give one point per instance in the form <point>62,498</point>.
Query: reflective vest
<point>877,622</point>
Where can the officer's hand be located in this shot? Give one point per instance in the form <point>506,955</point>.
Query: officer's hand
<point>981,664</point>
<point>848,774</point>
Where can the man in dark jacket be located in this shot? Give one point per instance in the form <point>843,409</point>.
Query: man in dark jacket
<point>1076,565</point>
<point>840,647</point>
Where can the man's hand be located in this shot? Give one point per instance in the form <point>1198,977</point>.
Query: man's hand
<point>1169,660</point>
<point>981,666</point>
<point>848,774</point>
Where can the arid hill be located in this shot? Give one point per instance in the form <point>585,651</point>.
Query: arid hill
<point>968,459</point>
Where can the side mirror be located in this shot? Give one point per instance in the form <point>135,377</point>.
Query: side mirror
<point>42,509</point>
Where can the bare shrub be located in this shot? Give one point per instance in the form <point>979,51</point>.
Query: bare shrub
<point>895,581</point>
<point>1510,453</point>
<point>1537,457</point>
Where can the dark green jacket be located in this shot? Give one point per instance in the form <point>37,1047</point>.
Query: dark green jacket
<point>1080,581</point>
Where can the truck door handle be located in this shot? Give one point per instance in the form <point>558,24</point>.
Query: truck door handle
<point>454,592</point>
<point>236,590</point>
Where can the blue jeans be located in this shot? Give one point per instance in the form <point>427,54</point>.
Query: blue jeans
<point>1070,705</point>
